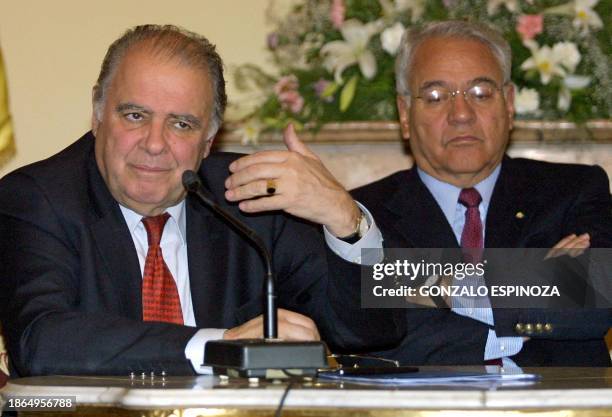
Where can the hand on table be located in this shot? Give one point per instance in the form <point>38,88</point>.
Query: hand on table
<point>291,326</point>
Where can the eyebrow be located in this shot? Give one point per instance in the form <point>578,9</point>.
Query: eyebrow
<point>440,83</point>
<point>131,106</point>
<point>480,80</point>
<point>433,83</point>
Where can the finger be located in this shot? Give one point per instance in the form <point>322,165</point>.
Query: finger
<point>273,202</point>
<point>294,144</point>
<point>564,241</point>
<point>253,189</point>
<point>581,241</point>
<point>273,157</point>
<point>253,173</point>
<point>295,318</point>
<point>580,247</point>
<point>252,329</point>
<point>294,326</point>
<point>576,252</point>
<point>289,331</point>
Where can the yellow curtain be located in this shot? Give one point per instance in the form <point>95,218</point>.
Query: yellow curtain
<point>7,144</point>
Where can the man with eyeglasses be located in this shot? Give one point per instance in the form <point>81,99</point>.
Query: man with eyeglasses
<point>456,106</point>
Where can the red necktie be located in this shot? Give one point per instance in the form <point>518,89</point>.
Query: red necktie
<point>471,236</point>
<point>160,299</point>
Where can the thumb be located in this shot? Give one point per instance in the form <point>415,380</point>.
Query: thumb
<point>294,144</point>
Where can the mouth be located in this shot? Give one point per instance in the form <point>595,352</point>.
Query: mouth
<point>463,140</point>
<point>148,169</point>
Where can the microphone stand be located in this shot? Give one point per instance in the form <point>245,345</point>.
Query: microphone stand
<point>269,357</point>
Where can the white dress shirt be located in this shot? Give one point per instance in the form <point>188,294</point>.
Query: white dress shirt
<point>174,249</point>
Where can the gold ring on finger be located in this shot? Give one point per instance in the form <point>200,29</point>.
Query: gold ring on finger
<point>270,187</point>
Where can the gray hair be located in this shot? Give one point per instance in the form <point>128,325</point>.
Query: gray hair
<point>175,43</point>
<point>480,32</point>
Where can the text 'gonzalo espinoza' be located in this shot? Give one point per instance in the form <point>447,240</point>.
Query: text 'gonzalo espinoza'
<point>433,271</point>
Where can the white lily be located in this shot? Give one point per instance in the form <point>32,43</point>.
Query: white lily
<point>494,5</point>
<point>416,7</point>
<point>544,61</point>
<point>585,16</point>
<point>391,38</point>
<point>391,9</point>
<point>338,55</point>
<point>582,11</point>
<point>567,54</point>
<point>570,83</point>
<point>249,132</point>
<point>526,100</point>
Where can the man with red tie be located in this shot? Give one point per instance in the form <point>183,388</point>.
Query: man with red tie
<point>455,102</point>
<point>108,267</point>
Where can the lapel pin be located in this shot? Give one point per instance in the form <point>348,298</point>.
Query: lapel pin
<point>519,215</point>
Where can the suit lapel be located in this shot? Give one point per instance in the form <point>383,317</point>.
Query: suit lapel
<point>115,245</point>
<point>508,208</point>
<point>207,275</point>
<point>419,219</point>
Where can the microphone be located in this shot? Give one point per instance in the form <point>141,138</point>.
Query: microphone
<point>192,183</point>
<point>270,357</point>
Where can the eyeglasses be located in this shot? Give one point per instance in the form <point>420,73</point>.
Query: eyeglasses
<point>437,97</point>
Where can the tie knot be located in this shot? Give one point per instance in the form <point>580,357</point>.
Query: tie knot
<point>470,197</point>
<point>155,226</point>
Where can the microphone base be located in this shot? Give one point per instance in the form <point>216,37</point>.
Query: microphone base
<point>264,358</point>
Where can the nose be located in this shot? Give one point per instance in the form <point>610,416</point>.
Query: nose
<point>460,110</point>
<point>155,141</point>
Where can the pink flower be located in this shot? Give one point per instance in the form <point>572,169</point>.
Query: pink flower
<point>288,96</point>
<point>337,12</point>
<point>530,25</point>
<point>291,100</point>
<point>288,82</point>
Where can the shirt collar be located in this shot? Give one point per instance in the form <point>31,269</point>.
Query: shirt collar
<point>176,212</point>
<point>447,195</point>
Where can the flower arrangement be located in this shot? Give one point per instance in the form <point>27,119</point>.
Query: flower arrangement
<point>335,59</point>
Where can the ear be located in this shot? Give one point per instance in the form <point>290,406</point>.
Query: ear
<point>95,123</point>
<point>207,146</point>
<point>403,110</point>
<point>510,103</point>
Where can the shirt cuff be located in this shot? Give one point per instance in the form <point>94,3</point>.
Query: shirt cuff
<point>352,252</point>
<point>194,351</point>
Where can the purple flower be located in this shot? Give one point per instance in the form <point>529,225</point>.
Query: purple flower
<point>320,87</point>
<point>272,41</point>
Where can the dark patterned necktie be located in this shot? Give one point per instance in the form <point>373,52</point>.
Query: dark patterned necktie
<point>160,299</point>
<point>471,236</point>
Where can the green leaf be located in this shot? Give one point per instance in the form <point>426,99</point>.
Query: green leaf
<point>348,93</point>
<point>330,90</point>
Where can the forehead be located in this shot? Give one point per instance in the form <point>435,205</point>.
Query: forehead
<point>153,77</point>
<point>454,61</point>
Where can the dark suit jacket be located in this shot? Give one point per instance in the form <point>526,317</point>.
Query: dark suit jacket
<point>557,200</point>
<point>71,282</point>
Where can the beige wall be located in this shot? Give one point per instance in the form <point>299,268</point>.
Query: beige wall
<point>53,49</point>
